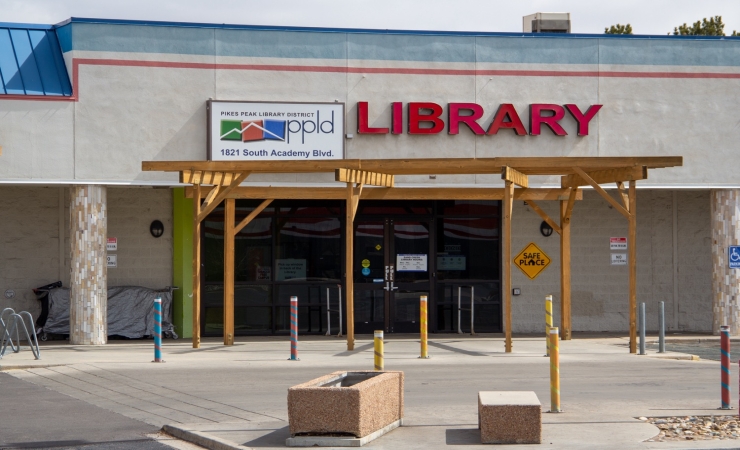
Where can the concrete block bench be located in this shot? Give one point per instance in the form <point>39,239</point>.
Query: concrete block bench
<point>356,403</point>
<point>509,417</point>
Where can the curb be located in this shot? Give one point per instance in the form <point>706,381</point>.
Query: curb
<point>683,357</point>
<point>202,439</point>
<point>26,367</point>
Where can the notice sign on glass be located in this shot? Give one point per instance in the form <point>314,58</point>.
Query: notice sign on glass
<point>288,269</point>
<point>451,262</point>
<point>254,131</point>
<point>618,243</point>
<point>408,262</point>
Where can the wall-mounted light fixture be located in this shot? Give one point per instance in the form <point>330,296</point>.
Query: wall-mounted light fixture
<point>156,228</point>
<point>545,229</point>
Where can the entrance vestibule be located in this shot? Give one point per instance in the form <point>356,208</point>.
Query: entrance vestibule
<point>402,250</point>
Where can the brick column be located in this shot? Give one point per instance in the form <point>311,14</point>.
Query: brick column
<point>88,294</point>
<point>725,281</point>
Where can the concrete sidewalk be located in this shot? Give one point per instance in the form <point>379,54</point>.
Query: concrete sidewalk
<point>235,397</point>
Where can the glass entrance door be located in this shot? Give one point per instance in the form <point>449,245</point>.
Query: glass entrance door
<point>392,269</point>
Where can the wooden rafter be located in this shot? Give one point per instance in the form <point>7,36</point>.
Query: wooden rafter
<point>544,216</point>
<point>605,176</point>
<point>516,177</point>
<point>222,192</point>
<point>602,192</point>
<point>206,177</point>
<point>364,177</point>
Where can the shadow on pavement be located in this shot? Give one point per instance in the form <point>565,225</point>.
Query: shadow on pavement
<point>462,436</point>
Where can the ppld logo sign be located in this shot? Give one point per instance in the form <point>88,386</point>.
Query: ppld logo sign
<point>734,256</point>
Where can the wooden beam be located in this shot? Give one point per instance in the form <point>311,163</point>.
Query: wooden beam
<point>196,268</point>
<point>252,215</point>
<point>516,177</point>
<point>565,273</point>
<point>364,177</point>
<point>606,176</point>
<point>602,192</point>
<point>632,261</point>
<point>623,195</point>
<point>349,284</point>
<point>223,191</point>
<point>544,216</point>
<point>506,226</point>
<point>554,165</point>
<point>574,193</point>
<point>229,218</point>
<point>370,193</point>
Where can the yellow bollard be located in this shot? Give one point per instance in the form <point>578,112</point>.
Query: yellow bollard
<point>423,326</point>
<point>548,323</point>
<point>554,371</point>
<point>379,350</point>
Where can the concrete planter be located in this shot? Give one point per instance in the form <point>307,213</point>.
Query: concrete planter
<point>346,403</point>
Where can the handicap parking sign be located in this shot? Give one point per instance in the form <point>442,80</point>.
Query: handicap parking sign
<point>734,256</point>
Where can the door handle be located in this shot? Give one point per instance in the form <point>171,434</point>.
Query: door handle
<point>393,288</point>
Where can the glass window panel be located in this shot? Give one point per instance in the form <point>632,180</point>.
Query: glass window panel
<point>369,259</point>
<point>213,305</point>
<point>45,61</point>
<point>309,248</point>
<point>468,248</point>
<point>27,62</point>
<point>411,238</point>
<point>213,246</point>
<point>468,208</point>
<point>487,307</point>
<point>310,208</point>
<point>395,208</point>
<point>308,294</point>
<point>253,249</point>
<point>8,65</point>
<point>311,319</point>
<point>253,319</point>
<point>369,305</point>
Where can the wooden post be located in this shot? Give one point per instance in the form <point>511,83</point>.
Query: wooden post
<point>349,285</point>
<point>565,318</point>
<point>196,266</point>
<point>229,218</point>
<point>508,203</point>
<point>632,246</point>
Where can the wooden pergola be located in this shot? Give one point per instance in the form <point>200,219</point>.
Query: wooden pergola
<point>219,181</point>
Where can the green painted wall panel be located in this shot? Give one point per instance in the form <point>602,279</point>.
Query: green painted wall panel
<point>182,307</point>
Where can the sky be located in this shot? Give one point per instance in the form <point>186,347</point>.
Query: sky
<point>587,16</point>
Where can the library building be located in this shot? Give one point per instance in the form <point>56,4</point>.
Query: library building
<point>232,167</point>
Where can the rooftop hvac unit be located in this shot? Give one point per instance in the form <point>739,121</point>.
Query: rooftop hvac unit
<point>546,23</point>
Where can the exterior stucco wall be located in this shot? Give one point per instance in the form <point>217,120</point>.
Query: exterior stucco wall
<point>142,90</point>
<point>599,297</point>
<point>143,260</point>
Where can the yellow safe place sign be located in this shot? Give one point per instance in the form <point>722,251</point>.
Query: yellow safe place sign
<point>532,260</point>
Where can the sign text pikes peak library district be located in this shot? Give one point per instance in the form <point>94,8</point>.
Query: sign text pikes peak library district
<point>239,131</point>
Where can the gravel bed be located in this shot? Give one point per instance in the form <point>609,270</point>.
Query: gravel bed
<point>698,428</point>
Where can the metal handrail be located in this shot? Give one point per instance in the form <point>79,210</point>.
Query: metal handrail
<point>329,310</point>
<point>459,308</point>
